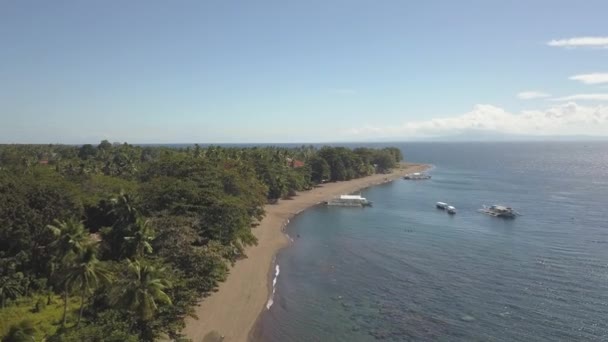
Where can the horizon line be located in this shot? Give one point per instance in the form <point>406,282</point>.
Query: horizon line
<point>429,140</point>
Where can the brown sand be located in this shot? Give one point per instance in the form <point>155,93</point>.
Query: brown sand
<point>230,313</point>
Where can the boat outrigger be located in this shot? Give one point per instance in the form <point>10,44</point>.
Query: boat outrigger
<point>499,211</point>
<point>350,201</point>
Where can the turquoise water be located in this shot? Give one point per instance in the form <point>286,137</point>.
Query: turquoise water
<point>405,271</point>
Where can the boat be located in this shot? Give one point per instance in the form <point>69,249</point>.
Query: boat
<point>417,176</point>
<point>444,206</point>
<point>441,205</point>
<point>350,201</point>
<point>499,211</point>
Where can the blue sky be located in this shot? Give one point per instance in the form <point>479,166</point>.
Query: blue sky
<point>300,71</point>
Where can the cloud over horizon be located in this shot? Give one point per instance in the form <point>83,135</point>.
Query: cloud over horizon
<point>593,78</point>
<point>564,119</point>
<point>583,97</point>
<point>594,42</point>
<point>532,94</point>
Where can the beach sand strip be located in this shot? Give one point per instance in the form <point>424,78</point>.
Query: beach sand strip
<point>230,313</point>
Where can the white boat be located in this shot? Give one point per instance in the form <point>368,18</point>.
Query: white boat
<point>499,211</point>
<point>350,201</point>
<point>417,176</point>
<point>451,210</point>
<point>441,205</point>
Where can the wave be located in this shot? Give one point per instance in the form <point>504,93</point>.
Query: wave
<point>289,238</point>
<point>274,283</point>
<point>284,226</point>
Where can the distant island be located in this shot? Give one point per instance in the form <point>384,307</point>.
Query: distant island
<point>117,242</point>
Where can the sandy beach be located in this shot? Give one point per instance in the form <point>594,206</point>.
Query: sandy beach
<point>232,311</point>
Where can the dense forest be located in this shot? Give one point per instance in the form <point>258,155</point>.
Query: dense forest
<point>118,242</point>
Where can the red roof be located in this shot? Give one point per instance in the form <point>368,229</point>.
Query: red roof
<point>298,163</point>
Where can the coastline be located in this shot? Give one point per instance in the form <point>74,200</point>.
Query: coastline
<point>233,310</point>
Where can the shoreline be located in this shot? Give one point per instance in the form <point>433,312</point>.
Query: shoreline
<point>231,313</point>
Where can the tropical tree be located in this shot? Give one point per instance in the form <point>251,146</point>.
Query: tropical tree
<point>70,240</point>
<point>139,242</point>
<point>123,209</point>
<point>105,145</point>
<point>85,274</point>
<point>9,288</point>
<point>139,289</point>
<point>70,236</point>
<point>384,160</point>
<point>125,216</point>
<point>320,170</point>
<point>87,151</point>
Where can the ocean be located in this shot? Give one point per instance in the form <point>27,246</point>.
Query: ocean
<point>403,270</point>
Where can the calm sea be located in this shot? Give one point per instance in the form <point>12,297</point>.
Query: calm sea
<point>405,271</point>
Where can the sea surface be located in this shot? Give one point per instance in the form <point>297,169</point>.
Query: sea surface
<point>406,271</point>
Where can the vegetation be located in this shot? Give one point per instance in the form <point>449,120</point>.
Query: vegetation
<point>116,242</point>
<point>46,318</point>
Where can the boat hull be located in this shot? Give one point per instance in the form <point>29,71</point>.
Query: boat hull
<point>346,204</point>
<point>496,214</point>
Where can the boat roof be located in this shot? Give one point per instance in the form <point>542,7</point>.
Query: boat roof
<point>500,207</point>
<point>351,197</point>
<point>450,207</point>
<point>442,203</point>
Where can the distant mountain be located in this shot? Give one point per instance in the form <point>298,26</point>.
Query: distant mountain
<point>499,136</point>
<point>485,135</point>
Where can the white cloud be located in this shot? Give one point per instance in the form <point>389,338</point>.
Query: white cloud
<point>564,119</point>
<point>597,42</point>
<point>594,78</point>
<point>530,95</point>
<point>583,97</point>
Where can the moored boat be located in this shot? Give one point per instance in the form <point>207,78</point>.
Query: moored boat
<point>499,211</point>
<point>350,201</point>
<point>417,176</point>
<point>441,205</point>
<point>451,210</point>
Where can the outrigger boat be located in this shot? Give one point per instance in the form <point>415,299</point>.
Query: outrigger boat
<point>350,201</point>
<point>444,206</point>
<point>417,176</point>
<point>499,211</point>
<point>441,205</point>
<point>451,210</point>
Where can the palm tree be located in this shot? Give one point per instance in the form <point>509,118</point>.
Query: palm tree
<point>9,287</point>
<point>71,237</point>
<point>86,274</point>
<point>139,243</point>
<point>123,209</point>
<point>125,217</point>
<point>140,289</point>
<point>22,332</point>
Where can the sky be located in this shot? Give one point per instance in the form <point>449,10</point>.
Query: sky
<point>300,71</point>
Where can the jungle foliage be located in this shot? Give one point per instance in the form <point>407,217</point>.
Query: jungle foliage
<point>117,242</point>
